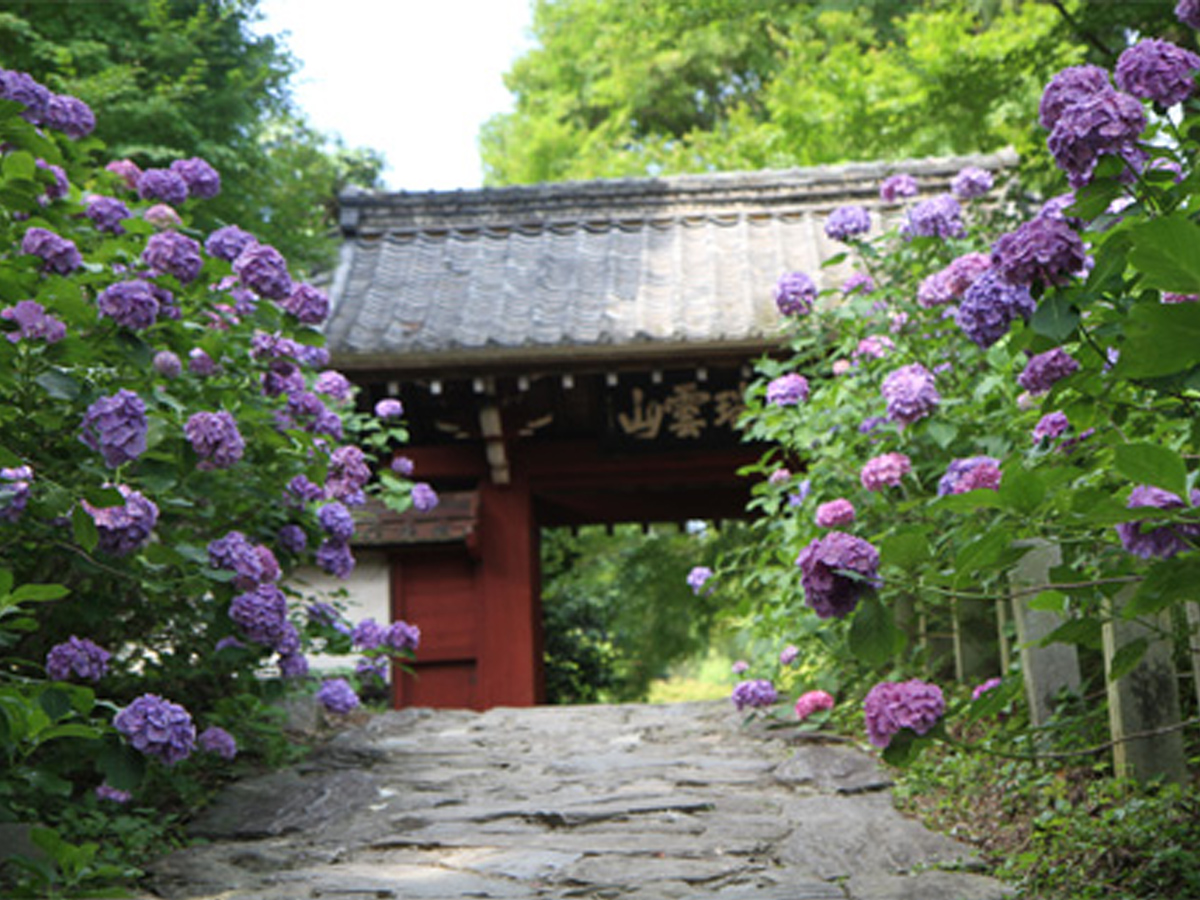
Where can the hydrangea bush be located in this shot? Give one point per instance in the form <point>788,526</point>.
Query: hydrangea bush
<point>172,446</point>
<point>1035,375</point>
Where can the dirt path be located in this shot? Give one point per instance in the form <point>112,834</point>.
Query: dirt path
<point>570,802</point>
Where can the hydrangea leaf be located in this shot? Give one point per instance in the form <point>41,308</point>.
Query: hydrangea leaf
<point>1161,339</point>
<point>874,637</point>
<point>1170,581</point>
<point>1146,463</point>
<point>1128,656</point>
<point>1055,317</point>
<point>1167,252</point>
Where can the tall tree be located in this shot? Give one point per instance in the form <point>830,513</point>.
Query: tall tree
<point>182,78</point>
<point>640,87</point>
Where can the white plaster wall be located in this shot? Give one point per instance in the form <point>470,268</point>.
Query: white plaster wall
<point>367,596</point>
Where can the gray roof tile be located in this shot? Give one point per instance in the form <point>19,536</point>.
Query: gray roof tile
<point>553,270</point>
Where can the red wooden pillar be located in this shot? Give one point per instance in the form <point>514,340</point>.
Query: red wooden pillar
<point>510,659</point>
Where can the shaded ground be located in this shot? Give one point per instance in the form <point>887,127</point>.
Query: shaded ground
<point>631,801</point>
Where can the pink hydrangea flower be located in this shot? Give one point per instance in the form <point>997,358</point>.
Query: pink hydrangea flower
<point>811,702</point>
<point>834,513</point>
<point>885,471</point>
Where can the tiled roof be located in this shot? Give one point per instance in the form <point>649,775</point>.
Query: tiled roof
<point>609,268</point>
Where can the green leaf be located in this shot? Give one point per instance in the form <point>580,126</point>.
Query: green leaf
<point>19,165</point>
<point>1094,199</point>
<point>1126,658</point>
<point>1160,339</point>
<point>1022,490</point>
<point>874,637</point>
<point>87,535</point>
<point>6,581</point>
<point>1167,252</point>
<point>905,549</point>
<point>1051,601</point>
<point>942,433</point>
<point>58,385</point>
<point>983,552</point>
<point>56,703</point>
<point>1055,317</point>
<point>1146,463</point>
<point>1084,632</point>
<point>1170,581</point>
<point>38,592</point>
<point>123,768</point>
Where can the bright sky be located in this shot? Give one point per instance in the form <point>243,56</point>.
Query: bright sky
<point>413,79</point>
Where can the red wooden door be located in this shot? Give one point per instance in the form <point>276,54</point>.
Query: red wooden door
<point>436,589</point>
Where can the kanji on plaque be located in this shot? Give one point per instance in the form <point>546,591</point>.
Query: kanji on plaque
<point>645,420</point>
<point>684,409</point>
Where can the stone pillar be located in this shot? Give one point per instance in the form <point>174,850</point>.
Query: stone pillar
<point>1047,670</point>
<point>1193,622</point>
<point>1145,698</point>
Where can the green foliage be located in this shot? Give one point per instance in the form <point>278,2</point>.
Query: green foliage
<point>184,78</point>
<point>636,87</point>
<point>615,617</point>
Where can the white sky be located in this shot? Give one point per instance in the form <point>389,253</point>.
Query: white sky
<point>413,79</point>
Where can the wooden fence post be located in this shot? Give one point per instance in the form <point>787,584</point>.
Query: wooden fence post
<point>1047,670</point>
<point>975,650</point>
<point>1145,699</point>
<point>1192,609</point>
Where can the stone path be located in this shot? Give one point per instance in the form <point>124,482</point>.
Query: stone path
<point>646,802</point>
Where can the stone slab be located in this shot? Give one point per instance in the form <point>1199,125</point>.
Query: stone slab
<point>833,767</point>
<point>932,885</point>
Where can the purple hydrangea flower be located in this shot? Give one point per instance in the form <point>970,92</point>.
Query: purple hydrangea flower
<point>402,637</point>
<point>883,471</point>
<point>167,364</point>
<point>24,88</point>
<point>308,304</point>
<point>162,184</point>
<point>263,270</point>
<point>834,513</point>
<point>108,792</point>
<point>262,614</point>
<point>389,408</point>
<point>895,187</point>
<point>824,565</point>
<point>348,473</point>
<point>971,182</point>
<point>787,390</point>
<point>739,667</point>
<point>14,492</point>
<point>116,427</point>
<point>301,490</point>
<point>33,323</point>
<point>235,553</point>
<point>402,465</point>
<point>200,363</point>
<point>1142,538</point>
<point>1157,70</point>
<point>108,213</point>
<point>874,346</point>
<point>980,689</point>
<point>969,474</point>
<point>424,498</point>
<point>811,702</point>
<point>228,643</point>
<point>282,378</point>
<point>127,170</point>
<point>1043,250</point>
<point>1072,85</point>
<point>59,188</point>
<point>1045,369</point>
<point>201,179</point>
<point>293,665</point>
<point>123,529</point>
<point>910,393</point>
<point>57,253</point>
<point>336,521</point>
<point>131,304</point>
<point>789,655</point>
<point>174,253</point>
<point>893,705</point>
<point>754,694</point>
<point>858,282</point>
<point>70,115</point>
<point>293,539</point>
<point>372,668</point>
<point>1050,427</point>
<point>334,385</point>
<point>337,696</point>
<point>368,635</point>
<point>336,558</point>
<point>162,216</point>
<point>77,656</point>
<point>939,217</point>
<point>1188,12</point>
<point>1104,123</point>
<point>215,438</point>
<point>229,242</point>
<point>158,728</point>
<point>990,306</point>
<point>219,741</point>
<point>948,284</point>
<point>795,294</point>
<point>847,222</point>
<point>698,577</point>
